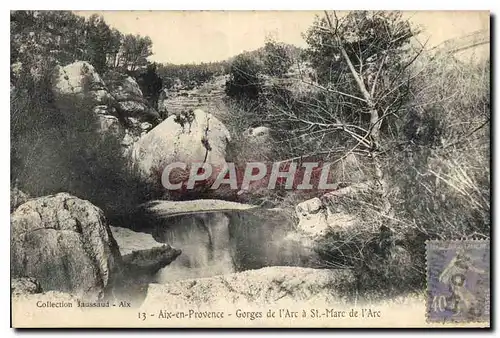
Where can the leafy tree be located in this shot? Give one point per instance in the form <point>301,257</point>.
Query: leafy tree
<point>362,62</point>
<point>151,84</point>
<point>134,52</point>
<point>244,81</point>
<point>63,37</point>
<point>277,59</point>
<point>101,42</point>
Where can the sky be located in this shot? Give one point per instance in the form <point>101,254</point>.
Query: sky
<point>203,36</point>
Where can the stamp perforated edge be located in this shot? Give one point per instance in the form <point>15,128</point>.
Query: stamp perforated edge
<point>427,273</point>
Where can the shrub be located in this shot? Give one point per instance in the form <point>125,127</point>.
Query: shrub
<point>446,186</point>
<point>56,149</point>
<point>150,83</point>
<point>277,60</point>
<point>244,78</point>
<point>438,171</point>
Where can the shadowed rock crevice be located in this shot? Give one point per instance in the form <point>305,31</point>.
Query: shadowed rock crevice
<point>142,265</point>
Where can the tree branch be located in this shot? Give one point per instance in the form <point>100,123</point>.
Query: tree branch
<point>357,78</point>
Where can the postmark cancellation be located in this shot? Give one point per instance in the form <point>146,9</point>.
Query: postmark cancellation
<point>458,281</point>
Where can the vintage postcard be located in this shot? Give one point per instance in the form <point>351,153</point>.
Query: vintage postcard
<point>250,169</point>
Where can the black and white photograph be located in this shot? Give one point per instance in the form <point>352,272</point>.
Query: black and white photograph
<point>250,169</point>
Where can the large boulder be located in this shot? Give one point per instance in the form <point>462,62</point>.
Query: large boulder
<point>81,80</point>
<point>129,97</point>
<point>65,243</point>
<point>193,137</point>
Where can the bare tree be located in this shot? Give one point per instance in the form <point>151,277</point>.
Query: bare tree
<point>363,61</point>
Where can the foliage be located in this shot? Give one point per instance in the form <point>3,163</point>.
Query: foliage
<point>134,52</point>
<point>67,37</point>
<point>103,43</point>
<point>244,78</point>
<point>190,75</point>
<point>59,149</point>
<point>150,83</point>
<point>440,174</point>
<point>434,139</point>
<point>277,59</point>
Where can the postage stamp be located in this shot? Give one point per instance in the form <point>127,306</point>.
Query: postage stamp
<point>249,168</point>
<point>458,281</point>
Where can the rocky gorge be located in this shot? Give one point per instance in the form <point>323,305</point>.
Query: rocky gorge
<point>204,248</point>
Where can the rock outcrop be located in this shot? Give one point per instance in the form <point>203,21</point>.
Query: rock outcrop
<point>218,237</point>
<point>128,95</point>
<point>208,97</point>
<point>23,300</point>
<point>267,286</point>
<point>142,255</point>
<point>81,80</point>
<point>258,134</point>
<point>318,215</point>
<point>65,243</point>
<point>115,99</point>
<point>257,144</point>
<point>193,137</point>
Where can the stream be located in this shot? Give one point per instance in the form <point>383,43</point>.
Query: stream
<point>222,238</point>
